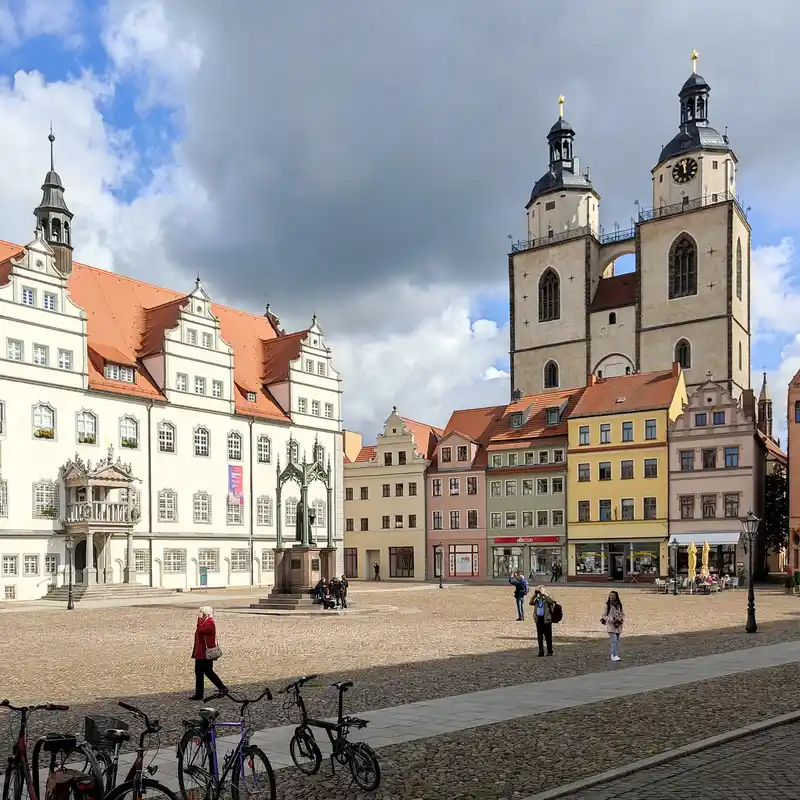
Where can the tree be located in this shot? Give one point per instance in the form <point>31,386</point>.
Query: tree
<point>775,525</point>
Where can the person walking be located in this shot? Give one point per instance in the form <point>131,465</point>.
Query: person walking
<point>344,584</point>
<point>205,652</point>
<point>520,590</point>
<point>543,606</point>
<point>554,571</point>
<point>377,567</point>
<point>613,619</point>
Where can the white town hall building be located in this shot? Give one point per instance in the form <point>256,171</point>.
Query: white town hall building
<point>147,425</point>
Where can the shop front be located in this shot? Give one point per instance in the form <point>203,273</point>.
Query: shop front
<point>626,561</point>
<point>533,556</point>
<point>459,560</point>
<point>725,555</point>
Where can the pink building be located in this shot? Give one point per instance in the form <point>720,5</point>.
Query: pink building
<point>456,495</point>
<point>793,413</point>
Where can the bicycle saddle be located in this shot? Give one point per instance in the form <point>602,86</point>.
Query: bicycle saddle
<point>117,736</point>
<point>343,685</point>
<point>208,713</point>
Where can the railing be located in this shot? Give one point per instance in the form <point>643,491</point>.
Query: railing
<point>98,512</point>
<point>629,233</point>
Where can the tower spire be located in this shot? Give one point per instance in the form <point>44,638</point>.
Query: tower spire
<point>52,140</point>
<point>765,409</point>
<point>53,217</point>
<point>561,100</point>
<point>695,55</point>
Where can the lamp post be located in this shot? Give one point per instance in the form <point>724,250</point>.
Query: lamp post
<point>441,565</point>
<point>69,542</point>
<point>676,549</point>
<point>750,525</point>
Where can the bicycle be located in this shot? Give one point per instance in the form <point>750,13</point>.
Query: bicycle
<point>359,757</point>
<point>107,745</point>
<point>20,773</point>
<point>202,765</point>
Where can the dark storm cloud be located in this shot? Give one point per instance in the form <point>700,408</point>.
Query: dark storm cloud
<point>348,144</point>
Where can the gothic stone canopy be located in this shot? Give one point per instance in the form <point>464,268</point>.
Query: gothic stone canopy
<point>107,472</point>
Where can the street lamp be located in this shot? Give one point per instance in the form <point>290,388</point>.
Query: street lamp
<point>750,525</point>
<point>69,542</point>
<point>676,548</point>
<point>441,565</point>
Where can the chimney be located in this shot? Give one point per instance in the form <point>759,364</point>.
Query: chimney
<point>591,380</point>
<point>749,404</point>
<point>676,369</point>
<point>516,395</point>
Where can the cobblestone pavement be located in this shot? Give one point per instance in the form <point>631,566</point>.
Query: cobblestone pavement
<point>760,766</point>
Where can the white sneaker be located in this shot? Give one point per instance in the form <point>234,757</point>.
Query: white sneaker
<point>615,658</point>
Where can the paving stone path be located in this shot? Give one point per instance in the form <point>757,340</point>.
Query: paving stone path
<point>760,766</point>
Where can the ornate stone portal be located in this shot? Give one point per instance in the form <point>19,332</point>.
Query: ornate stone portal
<point>298,568</point>
<point>101,502</point>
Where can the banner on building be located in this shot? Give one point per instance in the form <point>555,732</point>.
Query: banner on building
<point>235,484</point>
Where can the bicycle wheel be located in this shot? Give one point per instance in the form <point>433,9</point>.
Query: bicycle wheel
<point>136,790</point>
<point>258,780</point>
<point>14,785</point>
<point>195,766</point>
<point>305,751</point>
<point>105,763</point>
<point>364,766</point>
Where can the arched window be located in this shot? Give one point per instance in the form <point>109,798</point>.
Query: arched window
<point>739,269</point>
<point>166,437</point>
<point>44,422</point>
<point>682,268</point>
<point>293,451</point>
<point>128,433</point>
<point>612,318</point>
<point>167,505</point>
<point>550,375</point>
<point>264,448</point>
<point>66,232</point>
<point>319,511</point>
<point>797,410</point>
<point>319,454</point>
<point>87,428</point>
<point>234,446</point>
<point>291,512</point>
<point>201,442</point>
<point>683,354</point>
<point>549,296</point>
<point>201,508</point>
<point>264,510</point>
<point>55,226</point>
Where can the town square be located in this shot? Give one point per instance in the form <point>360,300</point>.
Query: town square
<point>398,401</point>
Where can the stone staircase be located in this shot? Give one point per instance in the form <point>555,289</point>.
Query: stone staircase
<point>296,601</point>
<point>107,591</point>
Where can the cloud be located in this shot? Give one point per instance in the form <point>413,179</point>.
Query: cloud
<point>775,293</point>
<point>778,382</point>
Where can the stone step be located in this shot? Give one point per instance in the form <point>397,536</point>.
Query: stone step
<point>106,592</point>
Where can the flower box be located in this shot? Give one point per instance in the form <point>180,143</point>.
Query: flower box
<point>87,439</point>
<point>48,513</point>
<point>44,433</point>
<point>131,444</point>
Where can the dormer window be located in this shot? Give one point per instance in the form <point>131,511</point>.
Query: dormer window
<point>114,372</point>
<point>447,455</point>
<point>251,397</point>
<point>552,416</point>
<point>516,419</point>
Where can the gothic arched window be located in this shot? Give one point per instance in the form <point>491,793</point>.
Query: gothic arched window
<point>55,227</point>
<point>66,232</point>
<point>549,296</point>
<point>550,375</point>
<point>739,269</point>
<point>682,267</point>
<point>612,318</point>
<point>683,354</point>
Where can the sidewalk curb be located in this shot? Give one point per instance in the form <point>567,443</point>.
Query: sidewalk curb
<point>664,758</point>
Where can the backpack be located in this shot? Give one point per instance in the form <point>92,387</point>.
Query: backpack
<point>558,613</point>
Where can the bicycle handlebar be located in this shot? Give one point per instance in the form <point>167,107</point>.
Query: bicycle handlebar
<point>240,700</point>
<point>153,726</point>
<point>296,685</point>
<point>355,722</point>
<point>42,707</point>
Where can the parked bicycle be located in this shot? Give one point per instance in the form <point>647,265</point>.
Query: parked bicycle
<point>22,774</point>
<point>359,757</point>
<point>199,773</point>
<point>107,740</point>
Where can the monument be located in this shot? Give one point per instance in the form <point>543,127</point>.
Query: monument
<point>298,568</point>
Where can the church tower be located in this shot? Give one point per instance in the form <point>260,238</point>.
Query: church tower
<point>53,217</point>
<point>765,410</point>
<point>693,255</point>
<point>547,272</point>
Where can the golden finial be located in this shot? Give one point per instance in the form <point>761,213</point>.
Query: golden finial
<point>561,99</point>
<point>695,56</point>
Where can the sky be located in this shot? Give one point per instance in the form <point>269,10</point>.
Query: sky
<point>369,161</point>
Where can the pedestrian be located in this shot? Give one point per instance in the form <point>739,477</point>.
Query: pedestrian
<point>554,572</point>
<point>520,590</point>
<point>205,652</point>
<point>344,584</point>
<point>377,567</point>
<point>543,606</point>
<point>613,619</point>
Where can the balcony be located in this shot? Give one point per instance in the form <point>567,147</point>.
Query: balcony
<point>100,513</point>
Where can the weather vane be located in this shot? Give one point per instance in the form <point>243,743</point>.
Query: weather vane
<point>695,56</point>
<point>561,99</point>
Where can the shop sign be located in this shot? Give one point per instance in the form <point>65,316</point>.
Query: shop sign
<point>527,540</point>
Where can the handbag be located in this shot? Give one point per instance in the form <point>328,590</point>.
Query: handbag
<point>214,653</point>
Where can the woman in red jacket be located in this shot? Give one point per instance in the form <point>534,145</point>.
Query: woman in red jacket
<point>205,640</point>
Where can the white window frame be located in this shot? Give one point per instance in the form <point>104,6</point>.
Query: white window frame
<point>44,420</point>
<point>234,512</point>
<point>208,340</point>
<point>240,560</point>
<point>41,355</point>
<point>126,425</point>
<point>199,385</point>
<point>28,296</point>
<point>191,336</point>
<point>201,508</point>
<point>115,372</point>
<point>234,446</point>
<point>309,366</point>
<point>52,562</point>
<point>30,558</point>
<point>264,449</point>
<point>208,557</point>
<point>290,512</point>
<point>321,369</point>
<point>167,438</point>
<point>45,499</point>
<point>216,389</point>
<point>302,405</point>
<point>49,301</point>
<point>3,498</point>
<point>539,523</point>
<point>542,482</point>
<point>15,350</point>
<point>174,561</point>
<point>328,410</point>
<point>65,360</point>
<point>181,382</point>
<point>315,407</point>
<point>510,519</point>
<point>10,566</point>
<point>168,506</point>
<point>264,511</point>
<point>201,440</point>
<point>86,427</point>
<point>267,560</point>
<point>293,451</point>
<point>141,561</point>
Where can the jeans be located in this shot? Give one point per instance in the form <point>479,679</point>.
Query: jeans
<point>614,637</point>
<point>544,635</point>
<point>520,607</point>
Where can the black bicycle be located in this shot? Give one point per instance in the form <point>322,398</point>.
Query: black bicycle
<point>359,757</point>
<point>199,774</point>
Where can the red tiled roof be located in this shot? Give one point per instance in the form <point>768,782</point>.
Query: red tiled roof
<point>367,453</point>
<point>771,447</point>
<point>615,292</point>
<point>126,319</point>
<point>425,436</point>
<point>642,391</point>
<point>536,406</point>
<point>474,424</point>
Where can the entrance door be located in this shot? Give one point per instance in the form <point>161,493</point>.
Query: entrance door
<point>373,558</point>
<point>617,559</point>
<point>80,561</point>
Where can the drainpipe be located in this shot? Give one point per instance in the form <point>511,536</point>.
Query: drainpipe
<point>252,571</point>
<point>150,486</point>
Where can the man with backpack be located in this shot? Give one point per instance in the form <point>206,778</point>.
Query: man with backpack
<point>520,590</point>
<point>547,612</point>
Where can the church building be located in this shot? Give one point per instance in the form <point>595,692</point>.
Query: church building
<point>688,300</point>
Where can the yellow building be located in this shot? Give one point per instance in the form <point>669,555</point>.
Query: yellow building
<point>384,500</point>
<point>618,476</point>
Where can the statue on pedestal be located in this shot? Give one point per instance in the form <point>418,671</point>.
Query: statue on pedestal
<point>304,536</point>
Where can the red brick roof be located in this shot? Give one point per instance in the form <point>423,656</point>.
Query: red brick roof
<point>126,320</point>
<point>643,391</point>
<point>425,436</point>
<point>474,424</point>
<point>615,292</point>
<point>367,453</point>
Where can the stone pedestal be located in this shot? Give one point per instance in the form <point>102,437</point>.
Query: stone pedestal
<point>297,572</point>
<point>328,562</point>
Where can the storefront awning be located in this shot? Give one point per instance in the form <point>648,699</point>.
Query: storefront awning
<point>713,539</point>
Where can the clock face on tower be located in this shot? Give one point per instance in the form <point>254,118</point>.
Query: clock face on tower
<point>684,170</point>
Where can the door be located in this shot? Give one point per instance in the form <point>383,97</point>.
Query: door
<point>617,559</point>
<point>373,558</point>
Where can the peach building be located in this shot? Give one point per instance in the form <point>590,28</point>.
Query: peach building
<point>793,426</point>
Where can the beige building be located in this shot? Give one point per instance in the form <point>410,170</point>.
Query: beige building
<point>384,500</point>
<point>686,301</point>
<point>717,462</point>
